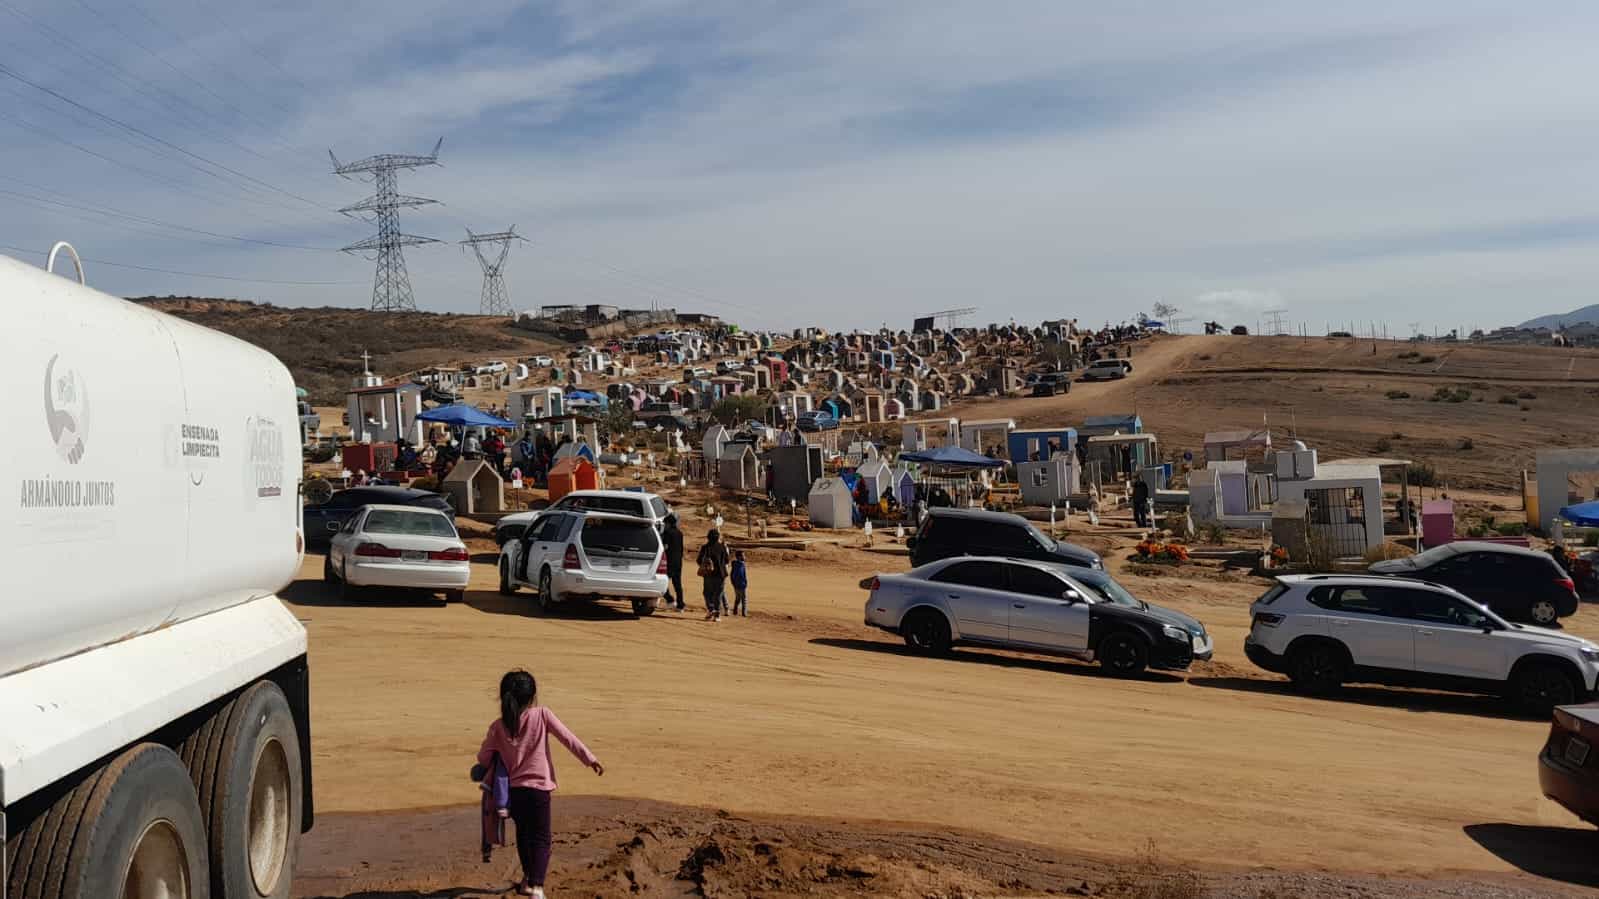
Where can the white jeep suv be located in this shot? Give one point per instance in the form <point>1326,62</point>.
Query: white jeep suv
<point>1324,630</point>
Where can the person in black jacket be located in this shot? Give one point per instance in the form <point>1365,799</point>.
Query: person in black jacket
<point>1141,502</point>
<point>672,537</point>
<point>714,562</point>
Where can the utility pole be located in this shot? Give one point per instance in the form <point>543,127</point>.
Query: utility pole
<point>495,301</point>
<point>391,286</point>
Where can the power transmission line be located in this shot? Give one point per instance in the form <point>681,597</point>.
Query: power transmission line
<point>115,213</point>
<point>154,176</point>
<point>391,285</point>
<point>134,129</point>
<point>167,271</point>
<point>494,300</point>
<point>142,87</point>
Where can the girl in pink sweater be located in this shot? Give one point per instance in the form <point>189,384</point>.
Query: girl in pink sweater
<point>521,738</point>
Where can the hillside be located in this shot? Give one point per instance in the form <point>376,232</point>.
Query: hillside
<point>1589,314</point>
<point>1503,403</point>
<point>323,346</point>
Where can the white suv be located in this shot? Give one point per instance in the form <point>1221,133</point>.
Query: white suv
<point>590,555</point>
<point>1323,630</point>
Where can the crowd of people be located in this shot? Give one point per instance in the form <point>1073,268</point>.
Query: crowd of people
<point>532,454</point>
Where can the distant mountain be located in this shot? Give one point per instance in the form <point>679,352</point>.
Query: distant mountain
<point>1588,314</point>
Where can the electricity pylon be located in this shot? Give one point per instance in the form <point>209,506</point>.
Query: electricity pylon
<point>391,286</point>
<point>495,301</point>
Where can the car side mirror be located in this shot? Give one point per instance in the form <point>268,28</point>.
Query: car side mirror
<point>1072,596</point>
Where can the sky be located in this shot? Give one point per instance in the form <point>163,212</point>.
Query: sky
<point>1423,165</point>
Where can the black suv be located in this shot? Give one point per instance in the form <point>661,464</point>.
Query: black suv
<point>1052,383</point>
<point>1518,583</point>
<point>973,532</point>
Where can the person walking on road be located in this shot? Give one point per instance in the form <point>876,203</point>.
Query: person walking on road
<point>713,564</point>
<point>520,739</point>
<point>672,537</point>
<point>740,577</point>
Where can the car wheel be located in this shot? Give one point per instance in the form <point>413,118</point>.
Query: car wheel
<point>926,632</point>
<point>1317,668</point>
<point>454,596</point>
<point>506,587</point>
<point>546,593</point>
<point>1542,612</point>
<point>643,608</point>
<point>1539,688</point>
<point>1123,654</point>
<point>329,576</point>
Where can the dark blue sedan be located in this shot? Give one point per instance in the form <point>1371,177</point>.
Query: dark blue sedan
<point>324,520</point>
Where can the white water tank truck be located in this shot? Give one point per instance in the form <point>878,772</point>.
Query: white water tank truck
<point>154,737</point>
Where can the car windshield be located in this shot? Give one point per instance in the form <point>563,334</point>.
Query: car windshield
<point>1042,539</point>
<point>609,535</point>
<point>413,524</point>
<point>1105,587</point>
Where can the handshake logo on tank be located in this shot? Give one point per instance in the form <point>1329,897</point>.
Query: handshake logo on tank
<point>66,417</point>
<point>66,409</point>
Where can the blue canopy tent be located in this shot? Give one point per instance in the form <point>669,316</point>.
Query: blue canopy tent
<point>1583,515</point>
<point>462,415</point>
<point>577,399</point>
<point>951,457</point>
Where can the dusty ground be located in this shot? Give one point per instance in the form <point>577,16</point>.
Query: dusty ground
<point>800,710</point>
<point>617,847</point>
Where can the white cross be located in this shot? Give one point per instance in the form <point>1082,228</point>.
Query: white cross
<point>366,361</point>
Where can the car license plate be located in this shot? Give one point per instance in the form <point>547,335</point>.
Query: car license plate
<point>414,555</point>
<point>1577,751</point>
<point>618,564</point>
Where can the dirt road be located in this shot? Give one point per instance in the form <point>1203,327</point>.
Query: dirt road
<point>801,710</point>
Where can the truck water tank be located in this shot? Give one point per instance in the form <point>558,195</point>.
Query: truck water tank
<point>154,469</point>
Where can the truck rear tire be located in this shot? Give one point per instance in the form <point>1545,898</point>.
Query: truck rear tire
<point>139,834</point>
<point>250,794</point>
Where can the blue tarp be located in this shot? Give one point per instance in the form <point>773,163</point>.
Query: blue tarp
<point>952,457</point>
<point>462,415</point>
<point>1582,514</point>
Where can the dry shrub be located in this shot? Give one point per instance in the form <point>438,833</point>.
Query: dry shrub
<point>1387,551</point>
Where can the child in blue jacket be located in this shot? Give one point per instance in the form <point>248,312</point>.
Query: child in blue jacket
<point>741,583</point>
